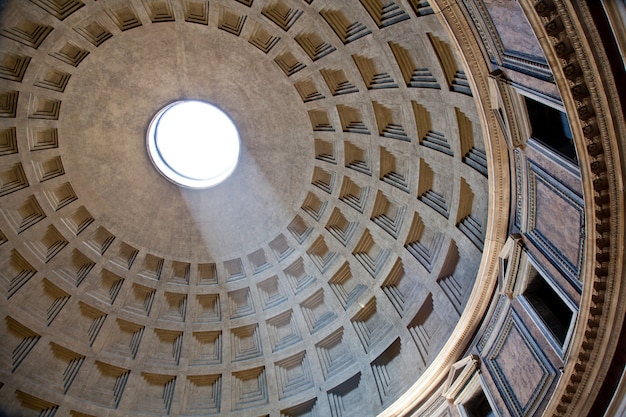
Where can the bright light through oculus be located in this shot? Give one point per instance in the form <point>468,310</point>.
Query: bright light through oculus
<point>193,144</point>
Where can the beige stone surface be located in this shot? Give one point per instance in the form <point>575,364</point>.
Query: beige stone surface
<point>106,110</point>
<point>326,276</point>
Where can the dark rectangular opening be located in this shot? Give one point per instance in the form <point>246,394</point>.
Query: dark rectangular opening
<point>550,307</point>
<point>551,128</point>
<point>478,406</point>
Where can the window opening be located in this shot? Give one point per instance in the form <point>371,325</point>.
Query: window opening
<point>551,128</point>
<point>478,406</point>
<point>549,306</point>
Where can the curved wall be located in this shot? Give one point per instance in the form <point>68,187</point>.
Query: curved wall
<point>397,241</point>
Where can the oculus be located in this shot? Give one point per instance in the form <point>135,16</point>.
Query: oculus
<point>193,144</point>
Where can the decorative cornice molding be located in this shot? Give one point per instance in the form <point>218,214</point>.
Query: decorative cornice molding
<point>512,252</point>
<point>574,50</point>
<point>516,128</point>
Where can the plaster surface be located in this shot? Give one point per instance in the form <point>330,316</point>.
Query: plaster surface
<point>106,111</point>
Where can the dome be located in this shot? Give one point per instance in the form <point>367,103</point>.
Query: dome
<point>422,212</point>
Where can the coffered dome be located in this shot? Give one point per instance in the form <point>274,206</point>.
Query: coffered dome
<point>334,271</point>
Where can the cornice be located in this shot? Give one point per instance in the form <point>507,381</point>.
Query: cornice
<point>574,50</point>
